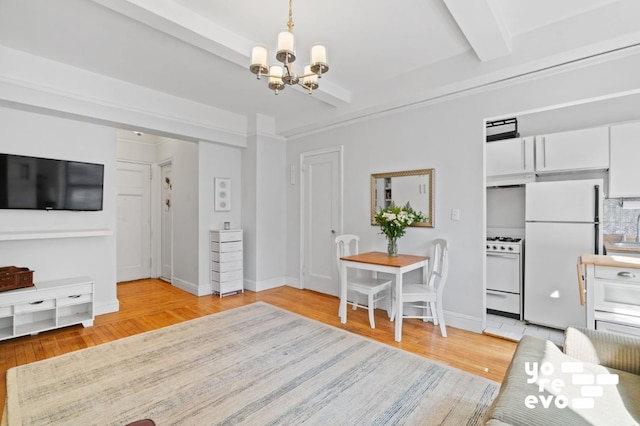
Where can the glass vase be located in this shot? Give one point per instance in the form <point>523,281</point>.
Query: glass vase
<point>392,247</point>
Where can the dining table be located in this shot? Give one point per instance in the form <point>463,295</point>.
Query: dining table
<point>375,262</point>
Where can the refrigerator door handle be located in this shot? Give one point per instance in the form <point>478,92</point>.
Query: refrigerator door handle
<point>596,220</point>
<point>596,214</point>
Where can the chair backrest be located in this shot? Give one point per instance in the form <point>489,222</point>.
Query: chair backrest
<point>346,245</point>
<point>440,269</point>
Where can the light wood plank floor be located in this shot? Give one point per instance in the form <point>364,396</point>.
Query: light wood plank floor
<point>150,304</point>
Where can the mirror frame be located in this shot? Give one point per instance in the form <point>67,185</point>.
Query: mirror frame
<point>429,172</point>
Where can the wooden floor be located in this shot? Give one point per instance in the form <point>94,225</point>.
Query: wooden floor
<point>150,304</point>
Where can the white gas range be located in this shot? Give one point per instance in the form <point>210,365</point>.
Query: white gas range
<point>505,260</point>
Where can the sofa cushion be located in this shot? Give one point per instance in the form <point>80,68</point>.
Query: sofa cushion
<point>537,391</point>
<point>614,350</point>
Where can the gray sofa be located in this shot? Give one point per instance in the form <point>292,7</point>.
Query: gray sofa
<point>594,380</point>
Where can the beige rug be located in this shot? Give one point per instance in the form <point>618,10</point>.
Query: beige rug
<point>254,365</point>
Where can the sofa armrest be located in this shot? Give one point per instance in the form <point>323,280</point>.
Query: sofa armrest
<point>608,349</point>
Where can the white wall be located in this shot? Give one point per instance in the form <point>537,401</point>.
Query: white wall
<point>184,196</point>
<point>448,136</point>
<point>215,160</point>
<point>31,134</point>
<point>264,214</point>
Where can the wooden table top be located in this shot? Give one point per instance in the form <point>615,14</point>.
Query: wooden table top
<point>380,258</point>
<point>610,260</point>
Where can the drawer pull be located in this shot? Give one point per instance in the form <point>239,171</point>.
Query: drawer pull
<point>75,296</point>
<point>626,274</point>
<point>36,303</point>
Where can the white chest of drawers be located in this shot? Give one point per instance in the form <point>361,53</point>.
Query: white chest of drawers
<point>226,262</point>
<point>48,305</point>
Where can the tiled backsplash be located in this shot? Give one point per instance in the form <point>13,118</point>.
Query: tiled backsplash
<point>618,220</point>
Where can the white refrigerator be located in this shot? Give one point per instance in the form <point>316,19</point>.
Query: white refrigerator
<point>562,223</point>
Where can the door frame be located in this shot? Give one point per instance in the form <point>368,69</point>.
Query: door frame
<point>339,149</point>
<point>156,239</point>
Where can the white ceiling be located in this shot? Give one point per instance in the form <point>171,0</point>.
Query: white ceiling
<point>382,54</point>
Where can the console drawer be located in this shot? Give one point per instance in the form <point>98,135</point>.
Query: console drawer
<point>36,305</point>
<point>74,299</point>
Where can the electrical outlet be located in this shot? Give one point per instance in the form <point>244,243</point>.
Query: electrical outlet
<point>455,214</point>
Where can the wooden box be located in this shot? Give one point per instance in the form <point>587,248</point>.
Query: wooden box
<point>12,277</point>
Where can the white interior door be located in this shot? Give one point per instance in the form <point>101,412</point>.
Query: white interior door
<point>166,224</point>
<point>321,197</point>
<point>134,221</point>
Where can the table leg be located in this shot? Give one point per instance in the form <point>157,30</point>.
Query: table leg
<point>398,318</point>
<point>342,311</point>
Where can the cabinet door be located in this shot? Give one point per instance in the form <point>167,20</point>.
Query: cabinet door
<point>624,172</point>
<point>586,149</point>
<point>410,189</point>
<point>510,156</point>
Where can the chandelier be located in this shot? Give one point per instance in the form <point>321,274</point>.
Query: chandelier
<point>281,76</point>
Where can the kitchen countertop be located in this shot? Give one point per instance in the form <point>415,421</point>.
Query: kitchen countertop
<point>608,239</point>
<point>615,261</point>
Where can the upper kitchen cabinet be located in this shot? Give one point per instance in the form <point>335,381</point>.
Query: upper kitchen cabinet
<point>510,161</point>
<point>624,172</point>
<point>586,149</point>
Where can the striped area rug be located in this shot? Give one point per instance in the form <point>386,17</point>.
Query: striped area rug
<point>254,365</point>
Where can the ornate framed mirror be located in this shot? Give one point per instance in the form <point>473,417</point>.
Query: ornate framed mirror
<point>411,186</point>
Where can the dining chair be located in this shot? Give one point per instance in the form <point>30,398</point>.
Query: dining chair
<point>427,298</point>
<point>374,288</point>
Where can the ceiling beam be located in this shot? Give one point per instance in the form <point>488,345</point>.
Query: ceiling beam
<point>482,27</point>
<point>186,25</point>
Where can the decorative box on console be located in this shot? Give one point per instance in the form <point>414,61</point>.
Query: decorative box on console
<point>12,277</point>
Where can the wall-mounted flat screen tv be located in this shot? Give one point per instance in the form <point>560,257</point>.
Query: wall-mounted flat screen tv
<point>48,184</point>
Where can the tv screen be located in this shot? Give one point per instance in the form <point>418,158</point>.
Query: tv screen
<point>48,184</point>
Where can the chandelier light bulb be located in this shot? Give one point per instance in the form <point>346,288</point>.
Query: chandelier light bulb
<point>318,54</point>
<point>259,61</point>
<point>286,47</point>
<point>310,81</point>
<point>275,78</point>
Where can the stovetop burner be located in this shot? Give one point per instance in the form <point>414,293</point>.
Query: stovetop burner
<point>505,239</point>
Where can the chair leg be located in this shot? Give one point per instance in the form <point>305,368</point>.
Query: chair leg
<point>389,305</point>
<point>392,302</point>
<point>434,312</point>
<point>355,302</point>
<point>372,308</point>
<point>443,329</point>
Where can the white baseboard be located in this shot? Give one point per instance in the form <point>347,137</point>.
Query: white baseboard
<point>293,282</point>
<point>190,287</point>
<point>106,308</point>
<point>263,285</point>
<point>464,322</point>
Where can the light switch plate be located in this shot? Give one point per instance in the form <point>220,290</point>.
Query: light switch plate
<point>455,214</point>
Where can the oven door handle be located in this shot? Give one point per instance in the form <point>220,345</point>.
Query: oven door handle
<point>507,255</point>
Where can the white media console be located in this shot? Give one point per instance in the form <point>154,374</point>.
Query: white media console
<point>46,306</point>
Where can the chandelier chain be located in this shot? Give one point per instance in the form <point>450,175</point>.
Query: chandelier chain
<point>290,22</point>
